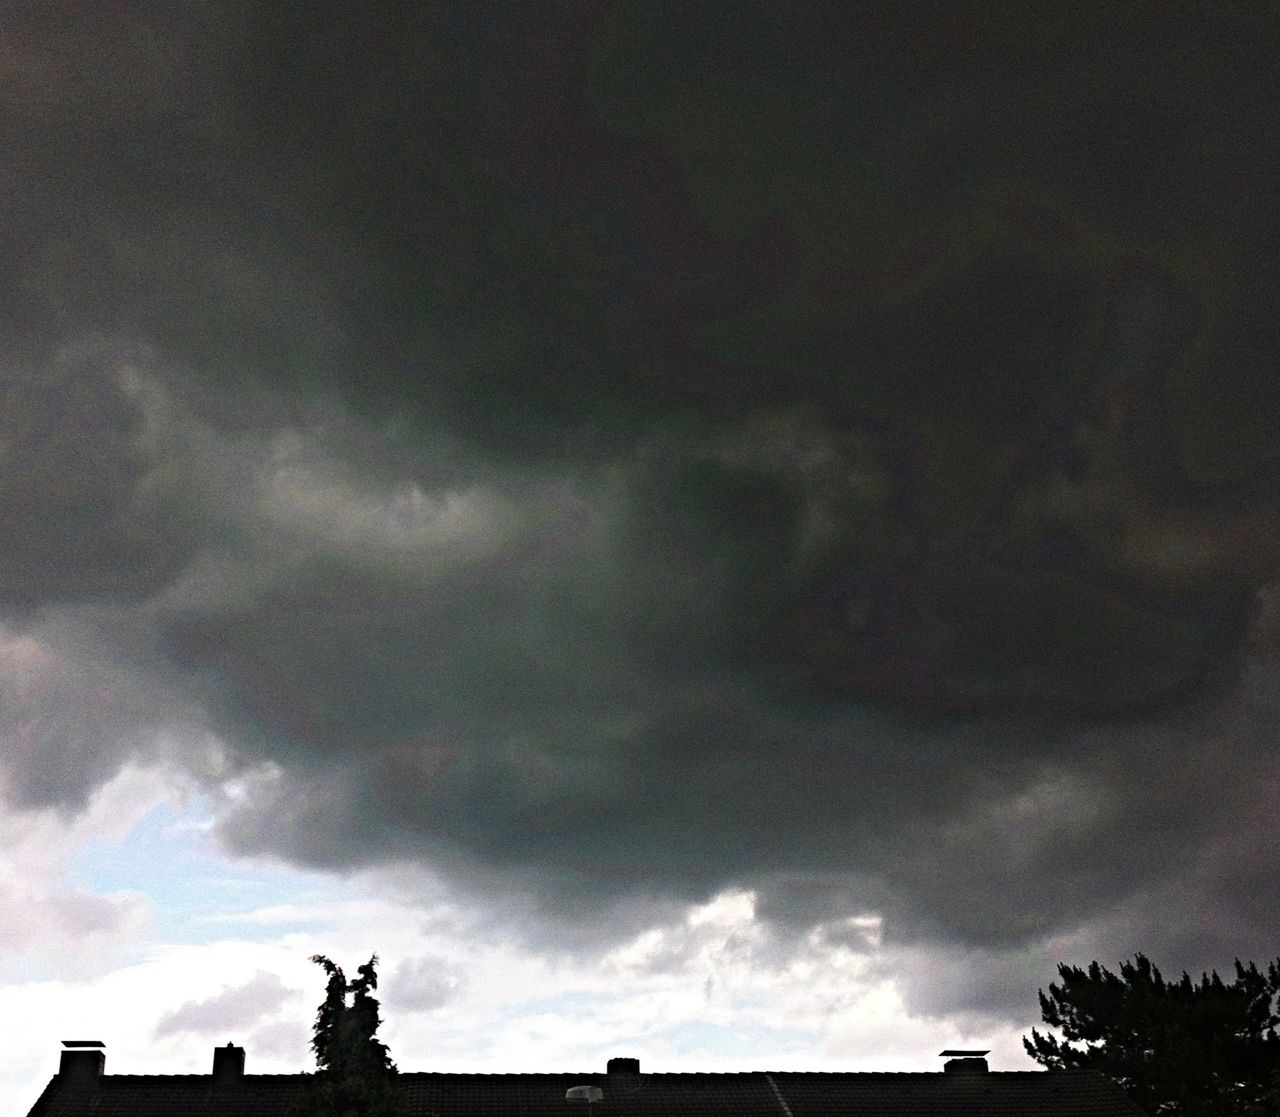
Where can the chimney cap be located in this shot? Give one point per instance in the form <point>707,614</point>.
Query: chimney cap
<point>965,1054</point>
<point>83,1043</point>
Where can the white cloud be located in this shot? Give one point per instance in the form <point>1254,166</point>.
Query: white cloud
<point>71,931</point>
<point>49,923</point>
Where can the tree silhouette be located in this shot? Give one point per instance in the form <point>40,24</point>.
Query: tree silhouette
<point>325,1040</point>
<point>354,1070</point>
<point>1179,1049</point>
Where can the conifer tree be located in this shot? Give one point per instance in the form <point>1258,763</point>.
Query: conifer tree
<point>325,1039</point>
<point>1178,1048</point>
<point>354,1072</point>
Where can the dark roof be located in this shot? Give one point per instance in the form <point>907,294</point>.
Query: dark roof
<point>768,1094</point>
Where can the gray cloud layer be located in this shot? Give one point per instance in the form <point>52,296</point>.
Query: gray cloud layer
<point>235,1008</point>
<point>847,477</point>
<point>422,984</point>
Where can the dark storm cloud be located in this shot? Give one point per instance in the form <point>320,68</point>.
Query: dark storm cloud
<point>87,511</point>
<point>615,453</point>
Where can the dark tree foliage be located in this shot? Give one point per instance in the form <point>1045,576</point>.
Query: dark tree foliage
<point>354,1070</point>
<point>325,1039</point>
<point>368,1052</point>
<point>1178,1048</point>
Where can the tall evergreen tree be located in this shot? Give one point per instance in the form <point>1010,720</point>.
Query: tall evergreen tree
<point>1180,1049</point>
<point>364,1019</point>
<point>354,1072</point>
<point>325,1039</point>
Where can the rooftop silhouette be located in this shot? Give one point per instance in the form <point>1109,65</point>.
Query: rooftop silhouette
<point>965,1088</point>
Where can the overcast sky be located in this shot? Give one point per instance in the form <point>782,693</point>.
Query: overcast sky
<point>737,534</point>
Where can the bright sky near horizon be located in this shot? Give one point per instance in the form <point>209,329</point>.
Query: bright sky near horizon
<point>735,535</point>
<point>139,930</point>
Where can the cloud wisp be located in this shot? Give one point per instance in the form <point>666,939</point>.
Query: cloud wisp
<point>235,1008</point>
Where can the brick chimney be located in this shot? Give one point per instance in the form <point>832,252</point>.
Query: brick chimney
<point>228,1067</point>
<point>965,1062</point>
<point>81,1065</point>
<point>621,1066</point>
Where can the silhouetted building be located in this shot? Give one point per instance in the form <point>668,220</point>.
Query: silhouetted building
<point>964,1088</point>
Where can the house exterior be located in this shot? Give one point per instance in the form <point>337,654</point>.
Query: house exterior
<point>964,1088</point>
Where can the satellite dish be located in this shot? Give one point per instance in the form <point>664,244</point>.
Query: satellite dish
<point>587,1094</point>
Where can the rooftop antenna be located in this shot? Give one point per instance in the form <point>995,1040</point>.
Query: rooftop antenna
<point>588,1094</point>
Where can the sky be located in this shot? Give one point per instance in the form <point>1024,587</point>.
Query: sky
<point>740,535</point>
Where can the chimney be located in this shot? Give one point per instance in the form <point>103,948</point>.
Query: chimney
<point>623,1066</point>
<point>228,1067</point>
<point>965,1062</point>
<point>81,1065</point>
